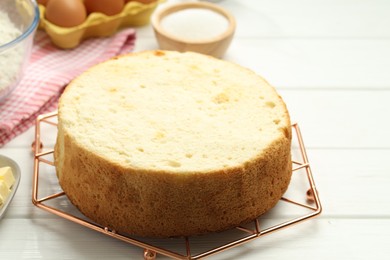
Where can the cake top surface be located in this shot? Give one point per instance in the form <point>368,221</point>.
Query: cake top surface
<point>180,112</point>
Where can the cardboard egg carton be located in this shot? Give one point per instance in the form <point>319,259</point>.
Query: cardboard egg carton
<point>97,24</point>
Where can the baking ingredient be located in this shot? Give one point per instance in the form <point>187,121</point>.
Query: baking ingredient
<point>7,180</point>
<point>195,24</point>
<point>43,2</point>
<point>67,13</point>
<point>10,59</point>
<point>6,176</point>
<point>141,1</point>
<point>108,7</point>
<point>8,29</point>
<point>4,193</point>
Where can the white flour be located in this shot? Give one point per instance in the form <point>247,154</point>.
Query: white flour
<point>10,59</point>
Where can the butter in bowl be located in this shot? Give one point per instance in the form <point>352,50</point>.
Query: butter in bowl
<point>194,26</point>
<point>9,182</point>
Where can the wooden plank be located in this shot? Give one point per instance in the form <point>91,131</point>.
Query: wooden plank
<point>305,18</point>
<point>341,119</point>
<point>59,238</point>
<point>352,183</point>
<point>321,239</point>
<point>316,63</point>
<point>310,63</point>
<point>318,238</point>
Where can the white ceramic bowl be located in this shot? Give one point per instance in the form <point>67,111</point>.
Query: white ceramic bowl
<point>215,45</point>
<point>15,47</point>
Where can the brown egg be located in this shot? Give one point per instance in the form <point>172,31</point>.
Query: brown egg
<point>43,2</point>
<point>141,1</point>
<point>108,7</point>
<point>67,13</point>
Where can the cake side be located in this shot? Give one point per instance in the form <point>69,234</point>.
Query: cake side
<point>165,204</point>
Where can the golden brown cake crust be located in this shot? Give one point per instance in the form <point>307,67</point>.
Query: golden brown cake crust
<point>160,203</point>
<point>163,204</point>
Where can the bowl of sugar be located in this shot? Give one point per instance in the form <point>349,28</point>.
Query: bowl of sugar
<point>194,26</point>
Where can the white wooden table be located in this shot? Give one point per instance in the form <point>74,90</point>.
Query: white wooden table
<point>330,61</point>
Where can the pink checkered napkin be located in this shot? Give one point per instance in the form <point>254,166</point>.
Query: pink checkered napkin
<point>48,72</point>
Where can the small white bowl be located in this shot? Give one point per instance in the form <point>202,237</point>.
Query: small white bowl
<point>14,54</point>
<point>215,45</point>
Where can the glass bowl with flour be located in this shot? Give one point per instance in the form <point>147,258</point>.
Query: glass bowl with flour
<point>18,22</point>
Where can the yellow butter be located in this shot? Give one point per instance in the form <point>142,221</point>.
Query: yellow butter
<point>2,201</point>
<point>4,192</point>
<point>7,176</point>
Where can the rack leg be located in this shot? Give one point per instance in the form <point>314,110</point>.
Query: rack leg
<point>149,254</point>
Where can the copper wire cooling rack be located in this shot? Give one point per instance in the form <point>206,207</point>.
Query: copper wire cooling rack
<point>246,234</point>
